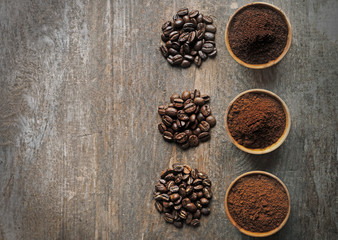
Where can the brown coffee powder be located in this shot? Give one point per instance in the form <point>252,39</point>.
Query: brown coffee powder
<point>258,34</point>
<point>256,120</point>
<point>258,203</point>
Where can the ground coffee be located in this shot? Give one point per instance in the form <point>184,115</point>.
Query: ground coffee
<point>258,34</point>
<point>258,203</point>
<point>256,120</point>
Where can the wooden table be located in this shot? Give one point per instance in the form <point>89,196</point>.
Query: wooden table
<point>79,145</point>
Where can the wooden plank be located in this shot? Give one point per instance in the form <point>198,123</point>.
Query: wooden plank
<point>79,147</point>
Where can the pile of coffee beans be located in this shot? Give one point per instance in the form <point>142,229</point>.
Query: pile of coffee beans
<point>189,38</point>
<point>187,119</point>
<point>183,195</point>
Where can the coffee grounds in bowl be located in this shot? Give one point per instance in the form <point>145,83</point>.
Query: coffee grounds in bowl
<point>256,120</point>
<point>258,34</point>
<point>258,203</point>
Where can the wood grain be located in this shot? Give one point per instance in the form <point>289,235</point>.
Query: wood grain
<point>79,147</point>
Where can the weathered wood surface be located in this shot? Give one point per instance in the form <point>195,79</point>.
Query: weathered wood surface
<point>79,146</point>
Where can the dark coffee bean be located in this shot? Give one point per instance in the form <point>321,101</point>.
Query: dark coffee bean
<point>197,109</point>
<point>192,118</point>
<point>170,184</point>
<point>175,17</point>
<point>199,194</point>
<point>185,95</point>
<point>177,59</point>
<point>200,117</point>
<point>168,136</point>
<point>189,181</point>
<point>198,188</point>
<point>193,13</point>
<point>197,214</point>
<point>178,207</point>
<point>199,101</point>
<point>211,120</point>
<point>176,46</point>
<point>189,58</point>
<point>169,177</point>
<point>185,63</point>
<point>178,201</point>
<point>193,53</point>
<point>191,207</point>
<point>197,181</point>
<point>193,21</point>
<point>186,169</point>
<point>158,206</point>
<point>168,30</point>
<point>170,105</point>
<point>192,36</point>
<point>189,108</point>
<point>173,51</point>
<point>202,55</point>
<point>174,197</point>
<point>204,201</point>
<point>178,23</point>
<point>200,34</point>
<point>188,27</point>
<point>166,172</point>
<point>198,45</point>
<point>160,188</point>
<point>182,12</point>
<point>164,51</point>
<point>166,24</point>
<point>169,129</point>
<point>178,179</point>
<point>207,193</point>
<point>170,60</point>
<point>189,189</point>
<point>178,224</point>
<point>181,115</point>
<point>181,191</point>
<point>188,132</point>
<point>174,35</point>
<point>168,218</point>
<point>200,26</point>
<point>182,50</point>
<point>183,37</point>
<point>174,96</point>
<point>162,181</point>
<point>210,28</point>
<point>205,110</point>
<point>205,97</point>
<point>161,110</point>
<point>181,138</point>
<point>186,48</point>
<point>207,19</point>
<point>202,175</point>
<point>209,36</point>
<point>194,125</point>
<point>207,47</point>
<point>186,19</point>
<point>197,131</point>
<point>206,183</point>
<point>183,184</point>
<point>204,126</point>
<point>167,210</point>
<point>204,136</point>
<point>175,215</point>
<point>164,37</point>
<point>171,112</point>
<point>188,101</point>
<point>183,214</point>
<point>193,141</point>
<point>199,18</point>
<point>198,61</point>
<point>189,218</point>
<point>197,93</point>
<point>213,53</point>
<point>205,211</point>
<point>167,120</point>
<point>193,196</point>
<point>185,201</point>
<point>174,189</point>
<point>198,204</point>
<point>178,103</point>
<point>194,173</point>
<point>162,197</point>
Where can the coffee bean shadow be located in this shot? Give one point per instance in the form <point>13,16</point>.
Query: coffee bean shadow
<point>265,78</point>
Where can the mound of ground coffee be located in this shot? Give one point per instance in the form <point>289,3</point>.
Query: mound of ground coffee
<point>258,203</point>
<point>258,34</point>
<point>256,120</point>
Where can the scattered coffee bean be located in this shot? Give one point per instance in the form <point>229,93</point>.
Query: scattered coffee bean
<point>180,202</point>
<point>186,119</point>
<point>184,37</point>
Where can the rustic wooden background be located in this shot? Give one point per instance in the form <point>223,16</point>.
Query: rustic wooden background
<point>79,146</point>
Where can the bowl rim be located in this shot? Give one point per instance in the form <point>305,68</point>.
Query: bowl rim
<point>273,146</point>
<point>257,234</point>
<point>271,62</point>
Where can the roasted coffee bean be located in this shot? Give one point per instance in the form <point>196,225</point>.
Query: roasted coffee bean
<point>181,115</point>
<point>182,12</point>
<point>186,18</point>
<point>185,95</point>
<point>199,101</point>
<point>174,127</point>
<point>189,58</point>
<point>199,194</point>
<point>174,197</point>
<point>193,53</point>
<point>204,126</point>
<point>162,197</point>
<point>174,189</point>
<point>169,129</point>
<point>193,196</point>
<point>170,60</point>
<point>168,44</point>
<point>193,141</point>
<point>186,48</point>
<point>168,136</point>
<point>158,206</point>
<point>207,47</point>
<point>166,172</point>
<point>195,222</point>
<point>197,131</point>
<point>178,201</point>
<point>178,207</point>
<point>167,120</point>
<point>194,125</point>
<point>209,36</point>
<point>206,183</point>
<point>186,169</point>
<point>213,53</point>
<point>205,97</point>
<point>200,34</point>
<point>185,63</point>
<point>188,101</point>
<point>205,211</point>
<point>178,179</point>
<point>178,168</point>
<point>198,61</point>
<point>183,37</point>
<point>189,108</point>
<point>205,110</point>
<point>177,59</point>
<point>204,201</point>
<point>160,188</point>
<point>199,18</point>
<point>191,207</point>
<point>188,132</point>
<point>173,51</point>
<point>171,112</point>
<point>202,55</point>
<point>189,190</point>
<point>204,136</point>
<point>175,215</point>
<point>198,204</point>
<point>166,24</point>
<point>183,214</point>
<point>202,175</point>
<point>164,51</point>
<point>185,201</point>
<point>168,218</point>
<point>207,20</point>
<point>207,193</point>
<point>192,36</point>
<point>197,214</point>
<point>210,28</point>
<point>164,38</point>
<point>174,35</point>
<point>197,181</point>
<point>192,118</point>
<point>176,46</point>
<point>162,128</point>
<point>169,177</point>
<point>200,26</point>
<point>178,102</point>
<point>198,187</point>
<point>211,120</point>
<point>161,110</point>
<point>194,173</point>
<point>182,192</point>
<point>162,181</point>
<point>188,27</point>
<point>168,30</point>
<point>193,13</point>
<point>178,23</point>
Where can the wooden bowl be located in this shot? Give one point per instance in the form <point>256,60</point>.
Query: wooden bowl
<point>272,62</point>
<point>275,145</point>
<point>257,234</point>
